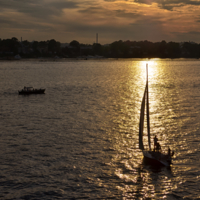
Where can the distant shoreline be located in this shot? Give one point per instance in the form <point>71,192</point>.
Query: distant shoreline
<point>89,59</point>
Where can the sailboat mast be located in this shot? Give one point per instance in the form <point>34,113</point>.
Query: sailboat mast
<point>147,103</point>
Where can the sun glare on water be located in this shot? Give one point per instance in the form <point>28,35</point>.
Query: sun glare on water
<point>151,66</point>
<point>152,70</point>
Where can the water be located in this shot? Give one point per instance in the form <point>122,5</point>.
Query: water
<point>80,139</point>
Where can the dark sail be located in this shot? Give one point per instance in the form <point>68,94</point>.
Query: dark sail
<point>141,125</point>
<point>148,120</point>
<point>142,111</point>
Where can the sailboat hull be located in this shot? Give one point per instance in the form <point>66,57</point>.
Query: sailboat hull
<point>157,158</point>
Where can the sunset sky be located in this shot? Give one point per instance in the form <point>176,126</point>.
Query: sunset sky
<point>65,20</point>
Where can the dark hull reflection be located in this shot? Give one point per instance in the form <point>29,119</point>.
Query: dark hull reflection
<point>153,164</point>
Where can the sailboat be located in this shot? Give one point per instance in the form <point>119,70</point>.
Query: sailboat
<point>155,157</point>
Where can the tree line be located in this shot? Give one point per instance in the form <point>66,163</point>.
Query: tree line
<point>117,49</point>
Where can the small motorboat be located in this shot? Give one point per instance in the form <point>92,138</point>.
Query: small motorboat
<point>31,90</point>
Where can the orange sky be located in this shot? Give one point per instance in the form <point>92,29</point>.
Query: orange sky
<point>80,20</point>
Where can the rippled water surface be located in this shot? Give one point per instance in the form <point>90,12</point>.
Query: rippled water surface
<point>80,139</point>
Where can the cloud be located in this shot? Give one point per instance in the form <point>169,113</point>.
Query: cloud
<point>93,10</point>
<point>38,8</point>
<point>65,20</point>
<point>186,36</point>
<point>37,15</point>
<point>123,13</point>
<point>169,4</point>
<point>110,0</point>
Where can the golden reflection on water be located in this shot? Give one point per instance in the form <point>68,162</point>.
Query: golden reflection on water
<point>139,180</point>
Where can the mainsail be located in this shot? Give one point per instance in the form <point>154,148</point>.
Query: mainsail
<point>148,120</point>
<point>141,125</point>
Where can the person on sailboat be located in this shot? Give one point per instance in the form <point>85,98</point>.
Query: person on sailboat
<point>155,142</point>
<point>169,151</point>
<point>158,147</point>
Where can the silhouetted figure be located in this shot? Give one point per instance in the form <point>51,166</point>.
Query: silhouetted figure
<point>158,147</point>
<point>169,151</point>
<point>155,142</point>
